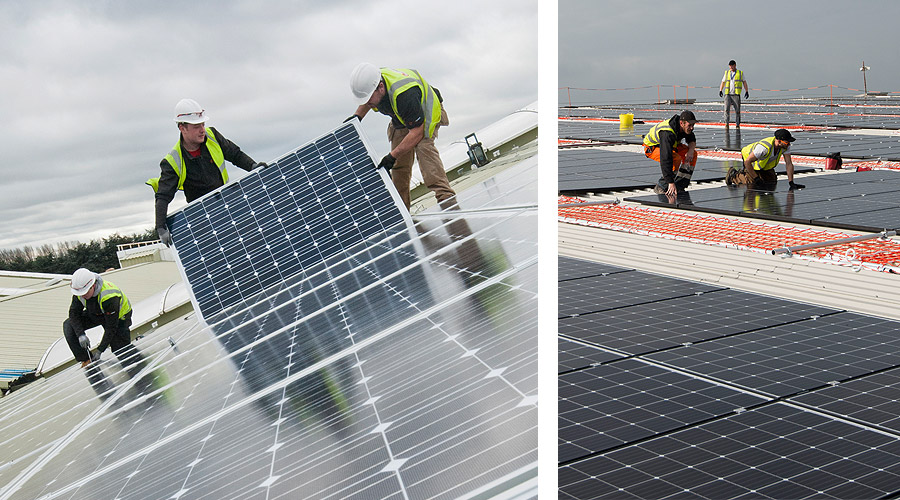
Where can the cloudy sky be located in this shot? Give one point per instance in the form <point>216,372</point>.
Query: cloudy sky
<point>778,44</point>
<point>88,89</point>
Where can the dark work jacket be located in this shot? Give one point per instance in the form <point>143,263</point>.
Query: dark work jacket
<point>667,143</point>
<point>202,174</point>
<point>108,317</point>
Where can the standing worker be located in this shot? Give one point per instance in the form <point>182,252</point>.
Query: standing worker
<point>732,82</point>
<point>417,112</point>
<point>760,160</point>
<point>196,164</point>
<point>676,160</point>
<point>98,302</point>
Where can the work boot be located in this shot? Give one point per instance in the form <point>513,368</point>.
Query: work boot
<point>658,190</point>
<point>729,177</point>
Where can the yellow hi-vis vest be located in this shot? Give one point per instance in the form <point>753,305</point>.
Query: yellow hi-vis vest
<point>769,160</point>
<point>107,291</point>
<point>735,83</point>
<point>399,80</point>
<point>652,137</point>
<point>176,160</point>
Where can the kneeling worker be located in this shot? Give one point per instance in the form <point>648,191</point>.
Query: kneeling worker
<point>760,160</point>
<point>676,160</point>
<point>97,302</point>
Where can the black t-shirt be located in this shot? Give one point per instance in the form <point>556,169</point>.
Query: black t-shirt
<point>409,107</point>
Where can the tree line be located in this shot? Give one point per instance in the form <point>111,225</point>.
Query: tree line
<point>64,258</point>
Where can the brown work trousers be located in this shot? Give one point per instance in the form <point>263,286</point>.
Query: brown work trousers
<point>430,164</point>
<point>757,179</point>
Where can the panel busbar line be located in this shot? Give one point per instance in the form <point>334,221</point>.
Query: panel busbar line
<point>307,206</point>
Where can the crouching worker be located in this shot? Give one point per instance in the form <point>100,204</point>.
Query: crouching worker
<point>676,159</point>
<point>98,302</point>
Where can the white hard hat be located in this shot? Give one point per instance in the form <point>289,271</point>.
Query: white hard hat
<point>82,281</point>
<point>363,81</point>
<point>188,111</point>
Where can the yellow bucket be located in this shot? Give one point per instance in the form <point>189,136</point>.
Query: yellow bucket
<point>626,120</point>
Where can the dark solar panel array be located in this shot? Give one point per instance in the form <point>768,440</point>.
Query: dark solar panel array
<point>576,268</point>
<point>811,143</point>
<point>864,201</point>
<point>599,293</point>
<point>598,169</point>
<point>724,394</point>
<point>842,114</point>
<point>776,452</point>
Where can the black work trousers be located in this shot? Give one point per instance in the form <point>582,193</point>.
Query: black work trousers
<point>72,329</point>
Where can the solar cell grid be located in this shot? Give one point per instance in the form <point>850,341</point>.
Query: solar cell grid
<point>873,399</point>
<point>570,268</point>
<point>643,328</point>
<point>786,359</point>
<point>600,293</point>
<point>624,401</point>
<point>575,355</point>
<point>775,451</point>
<point>305,207</point>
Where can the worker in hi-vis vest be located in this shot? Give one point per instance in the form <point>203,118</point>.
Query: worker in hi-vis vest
<point>663,143</point>
<point>417,112</point>
<point>196,164</point>
<point>98,302</point>
<point>760,160</point>
<point>732,82</point>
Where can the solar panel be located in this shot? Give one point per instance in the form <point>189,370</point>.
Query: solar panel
<point>602,169</point>
<point>874,399</point>
<point>624,401</point>
<point>570,268</point>
<point>307,206</point>
<point>851,200</point>
<point>663,324</point>
<point>575,355</point>
<point>600,293</point>
<point>786,359</point>
<point>775,451</point>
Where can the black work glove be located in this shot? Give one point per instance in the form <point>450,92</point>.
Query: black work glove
<point>259,164</point>
<point>794,185</point>
<point>164,235</point>
<point>746,95</point>
<point>721,94</point>
<point>352,117</point>
<point>387,162</point>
